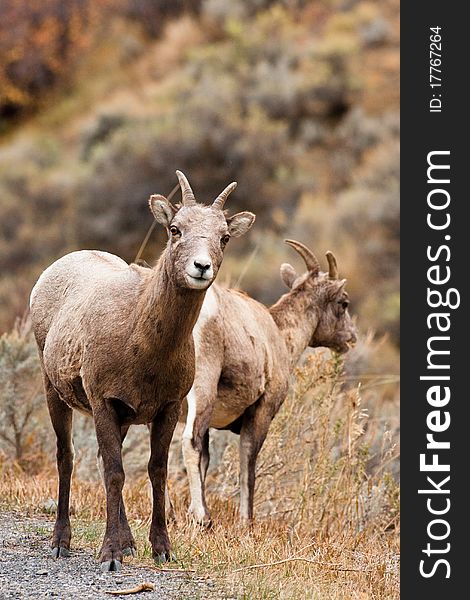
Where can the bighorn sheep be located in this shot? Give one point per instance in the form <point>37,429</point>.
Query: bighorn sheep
<point>115,343</point>
<point>245,354</point>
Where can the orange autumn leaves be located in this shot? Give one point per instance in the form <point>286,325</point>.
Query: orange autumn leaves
<point>40,40</point>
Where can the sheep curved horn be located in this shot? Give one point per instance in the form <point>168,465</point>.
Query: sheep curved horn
<point>309,257</point>
<point>332,265</point>
<point>222,197</point>
<point>188,195</point>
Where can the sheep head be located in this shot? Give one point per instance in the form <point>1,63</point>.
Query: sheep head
<point>197,234</point>
<point>325,297</point>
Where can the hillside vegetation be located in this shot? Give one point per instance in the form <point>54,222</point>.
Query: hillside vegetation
<point>297,101</point>
<point>100,103</point>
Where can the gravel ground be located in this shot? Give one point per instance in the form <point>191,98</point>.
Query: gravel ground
<point>27,571</point>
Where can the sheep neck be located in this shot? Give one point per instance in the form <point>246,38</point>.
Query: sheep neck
<point>166,313</point>
<point>297,321</point>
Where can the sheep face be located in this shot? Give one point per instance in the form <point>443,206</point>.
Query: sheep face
<point>198,237</point>
<point>324,298</point>
<point>335,328</point>
<point>197,234</point>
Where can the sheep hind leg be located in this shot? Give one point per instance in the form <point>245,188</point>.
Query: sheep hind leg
<point>61,419</point>
<point>169,508</point>
<point>205,456</point>
<point>161,432</point>
<point>255,425</point>
<point>128,544</point>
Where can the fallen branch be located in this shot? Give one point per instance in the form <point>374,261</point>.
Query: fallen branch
<point>170,570</point>
<point>142,587</point>
<point>301,559</point>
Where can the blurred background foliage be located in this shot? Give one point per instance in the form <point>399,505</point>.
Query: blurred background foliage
<point>100,102</point>
<point>296,100</point>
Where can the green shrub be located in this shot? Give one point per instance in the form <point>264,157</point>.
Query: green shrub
<point>21,396</point>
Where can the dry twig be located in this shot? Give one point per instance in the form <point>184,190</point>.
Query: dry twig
<point>163,570</point>
<point>142,587</point>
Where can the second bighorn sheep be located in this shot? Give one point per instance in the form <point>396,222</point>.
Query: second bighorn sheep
<point>115,342</point>
<point>245,354</point>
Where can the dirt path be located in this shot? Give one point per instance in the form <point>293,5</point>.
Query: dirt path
<point>27,571</point>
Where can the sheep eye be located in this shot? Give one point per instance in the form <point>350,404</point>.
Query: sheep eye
<point>344,304</point>
<point>225,239</point>
<point>174,231</point>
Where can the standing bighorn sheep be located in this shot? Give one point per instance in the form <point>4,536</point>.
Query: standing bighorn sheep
<point>245,354</point>
<point>115,342</point>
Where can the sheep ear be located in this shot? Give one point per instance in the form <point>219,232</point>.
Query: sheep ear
<point>288,274</point>
<point>338,288</point>
<point>161,209</point>
<point>240,223</point>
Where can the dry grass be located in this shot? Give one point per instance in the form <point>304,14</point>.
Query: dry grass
<point>327,505</point>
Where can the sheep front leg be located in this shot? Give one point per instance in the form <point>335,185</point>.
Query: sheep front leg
<point>196,454</point>
<point>61,418</point>
<point>125,534</point>
<point>255,425</point>
<point>108,434</point>
<point>161,432</point>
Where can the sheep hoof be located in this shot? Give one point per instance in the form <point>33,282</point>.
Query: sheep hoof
<point>110,565</point>
<point>58,552</point>
<point>160,558</point>
<point>129,551</point>
<point>171,517</point>
<point>206,523</point>
<point>164,557</point>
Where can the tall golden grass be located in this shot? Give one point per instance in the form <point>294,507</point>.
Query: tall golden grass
<point>327,513</point>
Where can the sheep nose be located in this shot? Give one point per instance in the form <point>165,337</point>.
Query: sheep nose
<point>203,267</point>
